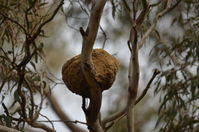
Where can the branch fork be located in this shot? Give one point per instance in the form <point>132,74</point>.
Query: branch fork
<point>93,111</point>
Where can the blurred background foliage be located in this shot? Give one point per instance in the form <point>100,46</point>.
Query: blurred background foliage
<point>173,47</point>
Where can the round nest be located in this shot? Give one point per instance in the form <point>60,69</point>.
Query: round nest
<point>105,66</point>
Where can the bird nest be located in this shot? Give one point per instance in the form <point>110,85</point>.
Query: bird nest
<point>105,66</point>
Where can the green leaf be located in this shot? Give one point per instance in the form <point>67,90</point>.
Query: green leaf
<point>7,119</point>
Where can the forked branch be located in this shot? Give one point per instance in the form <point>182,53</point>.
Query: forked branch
<point>120,114</point>
<point>134,65</point>
<point>93,111</point>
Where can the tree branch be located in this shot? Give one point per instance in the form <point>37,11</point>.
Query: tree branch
<point>7,129</point>
<point>156,72</point>
<point>142,15</point>
<point>118,115</point>
<point>47,21</point>
<point>133,79</point>
<point>75,121</point>
<point>55,106</point>
<point>134,65</point>
<point>93,111</point>
<point>15,22</point>
<point>155,21</point>
<point>41,126</point>
<point>60,113</point>
<point>140,44</point>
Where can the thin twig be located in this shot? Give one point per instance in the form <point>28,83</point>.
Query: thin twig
<point>8,114</point>
<point>5,109</point>
<point>105,37</point>
<point>41,126</point>
<point>15,22</point>
<point>156,72</point>
<point>155,21</point>
<point>83,9</point>
<point>47,21</point>
<point>21,74</point>
<point>26,14</point>
<point>48,120</point>
<point>75,122</point>
<point>31,97</point>
<point>122,113</point>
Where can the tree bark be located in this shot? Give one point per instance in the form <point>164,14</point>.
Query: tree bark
<point>61,114</point>
<point>7,129</point>
<point>92,113</point>
<point>133,79</point>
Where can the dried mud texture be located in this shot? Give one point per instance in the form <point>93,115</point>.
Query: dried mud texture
<point>105,66</point>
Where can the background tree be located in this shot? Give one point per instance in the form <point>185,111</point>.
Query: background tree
<point>172,46</point>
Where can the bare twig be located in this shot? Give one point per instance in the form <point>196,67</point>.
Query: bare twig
<point>75,122</point>
<point>82,8</point>
<point>156,72</point>
<point>48,121</point>
<point>105,37</point>
<point>113,117</point>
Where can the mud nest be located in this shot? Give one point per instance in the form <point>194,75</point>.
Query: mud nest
<point>105,66</point>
